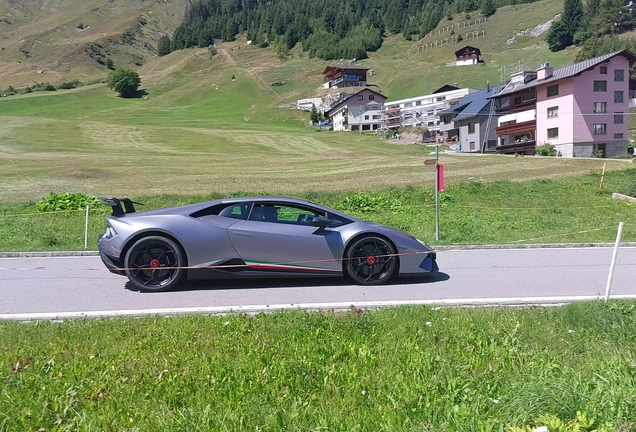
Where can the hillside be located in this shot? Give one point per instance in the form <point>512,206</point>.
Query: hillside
<point>400,68</point>
<point>53,40</point>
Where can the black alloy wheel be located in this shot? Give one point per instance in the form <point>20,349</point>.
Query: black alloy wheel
<point>154,263</point>
<point>371,260</point>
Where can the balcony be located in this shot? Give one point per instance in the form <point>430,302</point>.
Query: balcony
<point>517,108</point>
<point>516,128</point>
<point>524,147</point>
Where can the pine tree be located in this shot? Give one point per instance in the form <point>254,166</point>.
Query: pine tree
<point>572,15</point>
<point>616,17</point>
<point>163,46</point>
<point>488,7</point>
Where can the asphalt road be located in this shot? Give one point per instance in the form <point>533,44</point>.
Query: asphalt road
<point>82,284</point>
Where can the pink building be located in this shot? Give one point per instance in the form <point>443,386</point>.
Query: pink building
<point>581,109</point>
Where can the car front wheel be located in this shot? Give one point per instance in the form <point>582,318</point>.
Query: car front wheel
<point>154,263</point>
<point>371,260</point>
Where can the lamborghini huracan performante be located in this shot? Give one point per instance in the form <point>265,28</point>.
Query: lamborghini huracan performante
<point>254,236</point>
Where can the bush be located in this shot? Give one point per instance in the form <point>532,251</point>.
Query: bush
<point>558,37</point>
<point>546,150</point>
<point>124,81</point>
<point>70,84</point>
<point>42,87</point>
<point>66,201</point>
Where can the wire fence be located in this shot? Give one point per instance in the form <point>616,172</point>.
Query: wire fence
<point>93,221</point>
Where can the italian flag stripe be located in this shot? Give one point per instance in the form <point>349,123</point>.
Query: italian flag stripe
<point>274,266</point>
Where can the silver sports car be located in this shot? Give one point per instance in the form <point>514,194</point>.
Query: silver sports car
<point>254,236</point>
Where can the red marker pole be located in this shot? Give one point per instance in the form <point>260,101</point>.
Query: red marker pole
<point>437,185</point>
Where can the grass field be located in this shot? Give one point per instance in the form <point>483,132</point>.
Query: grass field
<point>211,135</point>
<point>407,369</point>
<point>474,212</point>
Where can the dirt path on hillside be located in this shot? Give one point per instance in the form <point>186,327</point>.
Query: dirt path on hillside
<point>223,52</point>
<point>156,73</point>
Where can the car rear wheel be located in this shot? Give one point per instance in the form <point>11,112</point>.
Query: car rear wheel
<point>154,263</point>
<point>371,260</point>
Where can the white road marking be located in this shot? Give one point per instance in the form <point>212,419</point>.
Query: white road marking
<point>251,309</point>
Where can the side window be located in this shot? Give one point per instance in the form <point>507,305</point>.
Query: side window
<point>284,214</point>
<point>336,221</point>
<point>292,214</point>
<point>236,211</point>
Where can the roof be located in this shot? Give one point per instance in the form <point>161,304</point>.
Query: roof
<point>467,47</point>
<point>189,209</point>
<point>329,69</point>
<point>350,96</point>
<point>445,88</point>
<point>570,71</point>
<point>472,104</point>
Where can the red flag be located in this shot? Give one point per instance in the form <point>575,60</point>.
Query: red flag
<point>440,178</point>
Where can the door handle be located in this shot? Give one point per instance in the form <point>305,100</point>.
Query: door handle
<point>242,233</point>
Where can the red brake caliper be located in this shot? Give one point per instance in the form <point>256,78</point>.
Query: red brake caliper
<point>154,263</point>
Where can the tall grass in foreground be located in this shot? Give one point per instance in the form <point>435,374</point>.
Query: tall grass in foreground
<point>409,368</point>
<point>538,211</point>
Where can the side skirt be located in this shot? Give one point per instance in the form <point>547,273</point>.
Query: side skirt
<point>205,274</point>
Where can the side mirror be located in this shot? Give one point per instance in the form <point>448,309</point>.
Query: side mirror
<point>321,223</point>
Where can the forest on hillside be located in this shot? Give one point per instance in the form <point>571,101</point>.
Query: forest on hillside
<point>328,29</point>
<point>594,26</point>
<point>333,29</point>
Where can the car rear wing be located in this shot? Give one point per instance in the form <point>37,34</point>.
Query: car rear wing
<point>116,204</point>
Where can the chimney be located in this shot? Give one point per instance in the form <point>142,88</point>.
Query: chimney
<point>487,86</point>
<point>545,71</point>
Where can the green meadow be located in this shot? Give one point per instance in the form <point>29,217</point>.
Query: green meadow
<point>403,369</point>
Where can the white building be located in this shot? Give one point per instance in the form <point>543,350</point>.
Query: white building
<point>308,104</point>
<point>359,111</point>
<point>422,110</point>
